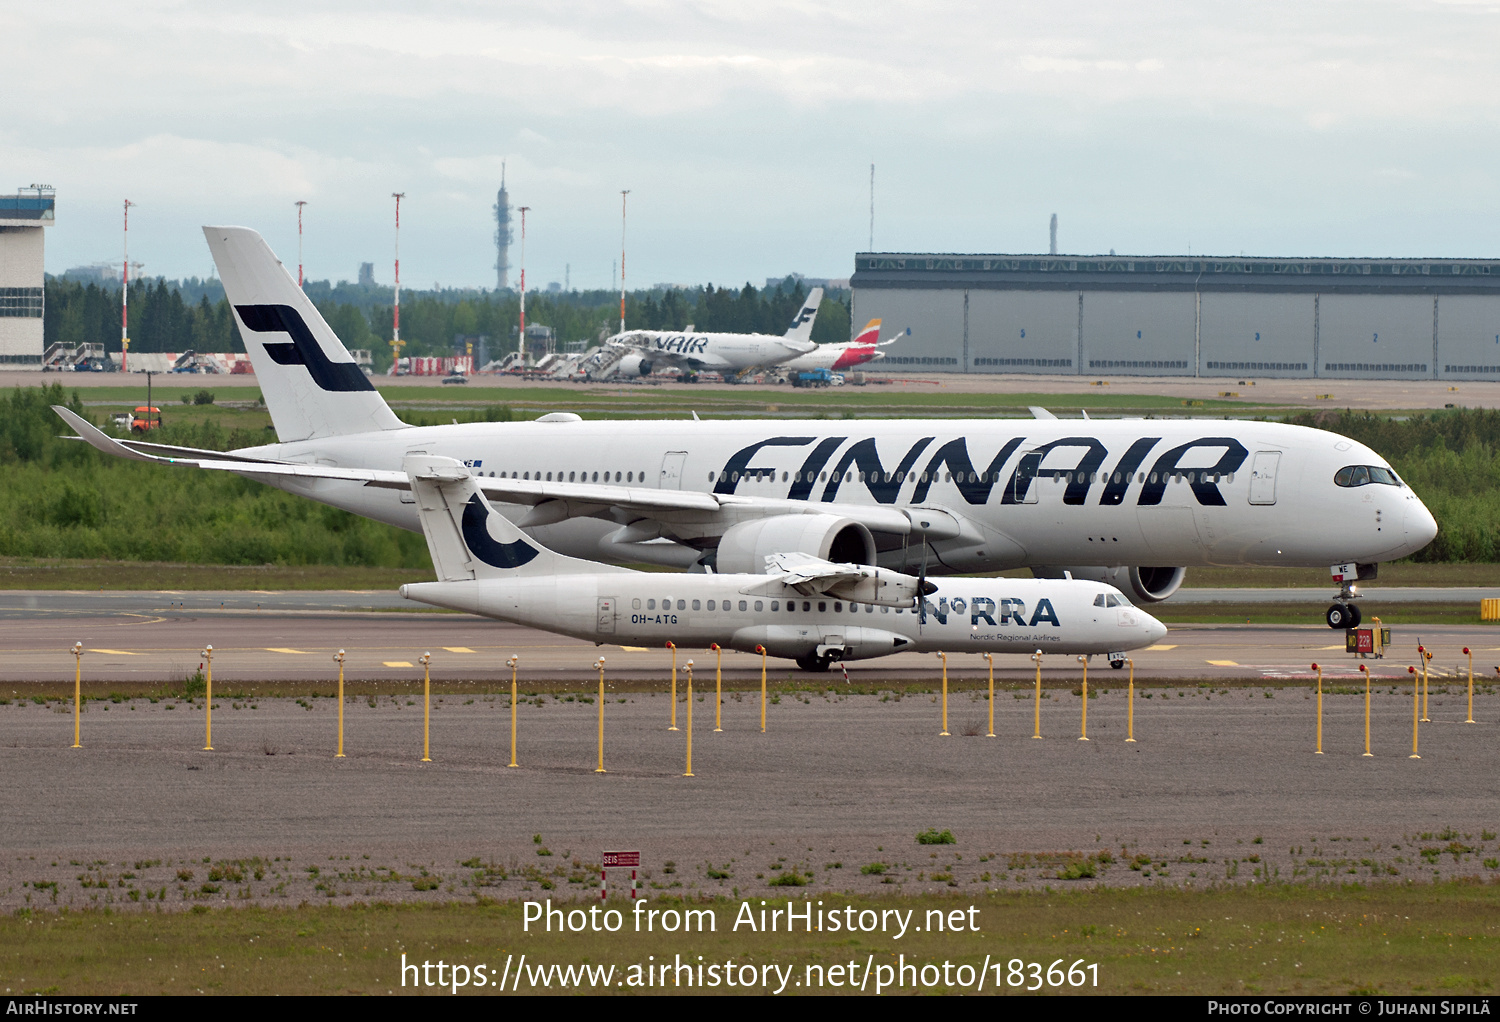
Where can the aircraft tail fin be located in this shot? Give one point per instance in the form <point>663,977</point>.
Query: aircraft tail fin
<point>870,334</point>
<point>310,382</point>
<point>467,538</point>
<point>802,323</point>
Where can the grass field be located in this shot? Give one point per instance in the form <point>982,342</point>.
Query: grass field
<point>669,400</point>
<point>1269,939</point>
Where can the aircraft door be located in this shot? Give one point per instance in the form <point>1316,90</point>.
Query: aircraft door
<point>671,470</point>
<point>1027,484</point>
<point>407,496</point>
<point>606,615</point>
<point>1263,477</point>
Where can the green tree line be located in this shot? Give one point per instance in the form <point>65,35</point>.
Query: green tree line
<point>161,320</point>
<point>64,499</point>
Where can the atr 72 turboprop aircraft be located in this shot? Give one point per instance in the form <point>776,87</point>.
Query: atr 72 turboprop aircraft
<point>801,607</point>
<point>1131,500</point>
<point>695,352</point>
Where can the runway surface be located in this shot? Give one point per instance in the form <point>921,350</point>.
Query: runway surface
<point>157,637</point>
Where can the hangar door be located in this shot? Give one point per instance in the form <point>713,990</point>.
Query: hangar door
<point>1263,477</point>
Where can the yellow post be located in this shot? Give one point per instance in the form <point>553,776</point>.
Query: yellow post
<point>1130,703</point>
<point>762,651</point>
<point>1320,709</point>
<point>1037,659</point>
<point>78,689</point>
<point>208,702</point>
<point>1416,687</point>
<point>718,687</point>
<point>690,721</point>
<point>1470,655</point>
<point>426,659</point>
<point>944,658</point>
<point>990,658</point>
<point>511,663</point>
<point>1366,672</point>
<point>673,647</point>
<point>599,664</point>
<point>1083,734</point>
<point>338,658</point>
<point>1426,656</point>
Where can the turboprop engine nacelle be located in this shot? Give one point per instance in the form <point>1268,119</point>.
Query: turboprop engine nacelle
<point>743,548</point>
<point>1149,585</point>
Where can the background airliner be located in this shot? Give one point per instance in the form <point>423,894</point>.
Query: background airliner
<point>641,352</point>
<point>1127,501</point>
<point>844,355</point>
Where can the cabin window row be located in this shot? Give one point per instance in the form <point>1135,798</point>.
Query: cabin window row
<point>1189,475</point>
<point>725,606</point>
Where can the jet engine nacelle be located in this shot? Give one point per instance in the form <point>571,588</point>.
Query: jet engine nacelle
<point>744,548</point>
<point>1147,585</point>
<point>634,365</point>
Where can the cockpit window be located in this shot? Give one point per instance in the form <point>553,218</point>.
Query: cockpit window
<point>1363,475</point>
<point>1114,601</point>
<point>1099,600</point>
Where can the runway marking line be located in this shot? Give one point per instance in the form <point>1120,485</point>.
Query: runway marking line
<point>634,649</point>
<point>1159,648</point>
<point>458,649</point>
<point>1224,663</point>
<point>1340,646</point>
<point>115,652</point>
<point>396,663</point>
<point>284,649</point>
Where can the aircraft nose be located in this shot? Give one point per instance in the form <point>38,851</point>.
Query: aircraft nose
<point>1155,631</point>
<point>1421,527</point>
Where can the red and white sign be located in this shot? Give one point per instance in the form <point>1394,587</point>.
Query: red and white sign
<point>616,860</point>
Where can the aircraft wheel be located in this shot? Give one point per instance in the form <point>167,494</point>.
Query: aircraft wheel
<point>1340,615</point>
<point>1354,615</point>
<point>1117,664</point>
<point>813,662</point>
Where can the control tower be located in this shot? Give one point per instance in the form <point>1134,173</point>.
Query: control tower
<point>22,219</point>
<point>503,235</point>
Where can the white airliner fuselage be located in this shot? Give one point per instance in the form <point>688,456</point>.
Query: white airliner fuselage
<point>1023,491</point>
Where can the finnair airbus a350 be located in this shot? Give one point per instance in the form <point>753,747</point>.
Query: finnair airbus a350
<point>1133,501</point>
<point>695,351</point>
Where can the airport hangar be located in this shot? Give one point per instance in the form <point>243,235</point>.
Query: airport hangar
<point>1185,316</point>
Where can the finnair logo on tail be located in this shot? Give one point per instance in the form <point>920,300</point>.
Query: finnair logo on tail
<point>303,349</point>
<point>807,312</point>
<point>484,546</point>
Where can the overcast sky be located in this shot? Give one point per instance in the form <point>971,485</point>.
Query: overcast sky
<point>745,131</point>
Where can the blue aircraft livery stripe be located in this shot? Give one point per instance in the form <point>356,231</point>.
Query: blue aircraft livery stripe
<point>484,546</point>
<point>304,349</point>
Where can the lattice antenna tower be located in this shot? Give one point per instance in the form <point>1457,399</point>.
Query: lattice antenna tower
<point>503,234</point>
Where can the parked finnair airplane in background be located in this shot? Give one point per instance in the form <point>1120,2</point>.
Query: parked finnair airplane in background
<point>844,355</point>
<point>798,606</point>
<point>694,352</point>
<point>1133,501</point>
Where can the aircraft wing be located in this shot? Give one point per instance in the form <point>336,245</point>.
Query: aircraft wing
<point>861,583</point>
<point>683,511</point>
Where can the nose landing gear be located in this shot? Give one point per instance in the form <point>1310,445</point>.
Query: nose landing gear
<point>1344,613</point>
